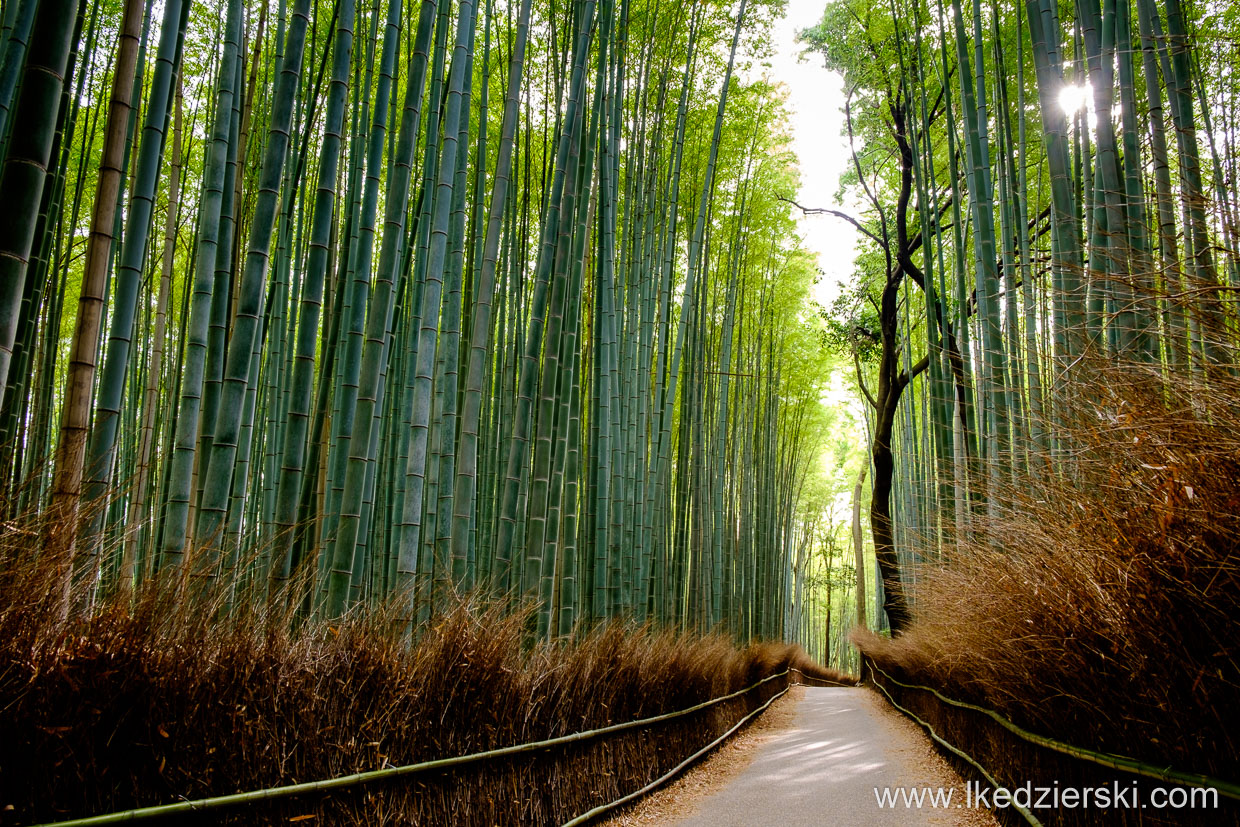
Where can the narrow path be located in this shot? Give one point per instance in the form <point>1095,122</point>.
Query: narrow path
<point>824,768</point>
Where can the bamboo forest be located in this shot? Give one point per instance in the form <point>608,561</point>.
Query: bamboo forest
<point>478,412</point>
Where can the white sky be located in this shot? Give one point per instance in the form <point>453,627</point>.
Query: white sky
<point>816,109</point>
<point>816,102</point>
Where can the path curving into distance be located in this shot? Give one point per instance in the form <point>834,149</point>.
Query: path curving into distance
<point>824,768</point>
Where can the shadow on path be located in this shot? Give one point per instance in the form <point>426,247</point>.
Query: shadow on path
<point>842,744</point>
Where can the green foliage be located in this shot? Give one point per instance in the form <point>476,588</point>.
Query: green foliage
<point>385,373</point>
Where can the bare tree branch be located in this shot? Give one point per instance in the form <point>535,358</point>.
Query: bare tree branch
<point>838,214</point>
<point>905,377</point>
<point>861,379</point>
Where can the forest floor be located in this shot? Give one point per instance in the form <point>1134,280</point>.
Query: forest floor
<point>816,757</point>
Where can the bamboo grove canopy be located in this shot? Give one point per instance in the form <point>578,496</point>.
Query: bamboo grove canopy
<point>334,303</point>
<point>1047,191</point>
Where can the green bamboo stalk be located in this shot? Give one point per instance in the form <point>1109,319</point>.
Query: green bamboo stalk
<point>293,452</point>
<point>380,310</point>
<point>103,434</point>
<point>466,476</point>
<point>219,467</point>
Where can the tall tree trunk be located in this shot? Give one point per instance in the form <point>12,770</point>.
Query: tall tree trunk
<point>83,354</point>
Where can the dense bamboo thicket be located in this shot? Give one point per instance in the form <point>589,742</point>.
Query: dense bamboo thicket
<point>1045,331</point>
<point>346,302</point>
<point>1045,191</point>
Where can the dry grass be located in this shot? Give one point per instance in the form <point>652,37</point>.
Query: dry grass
<point>159,701</point>
<point>1101,604</point>
<point>680,797</point>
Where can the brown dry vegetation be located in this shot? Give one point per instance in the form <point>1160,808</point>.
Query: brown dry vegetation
<point>164,701</point>
<point>1101,605</point>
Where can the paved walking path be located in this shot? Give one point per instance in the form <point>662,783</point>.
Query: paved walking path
<point>823,770</point>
